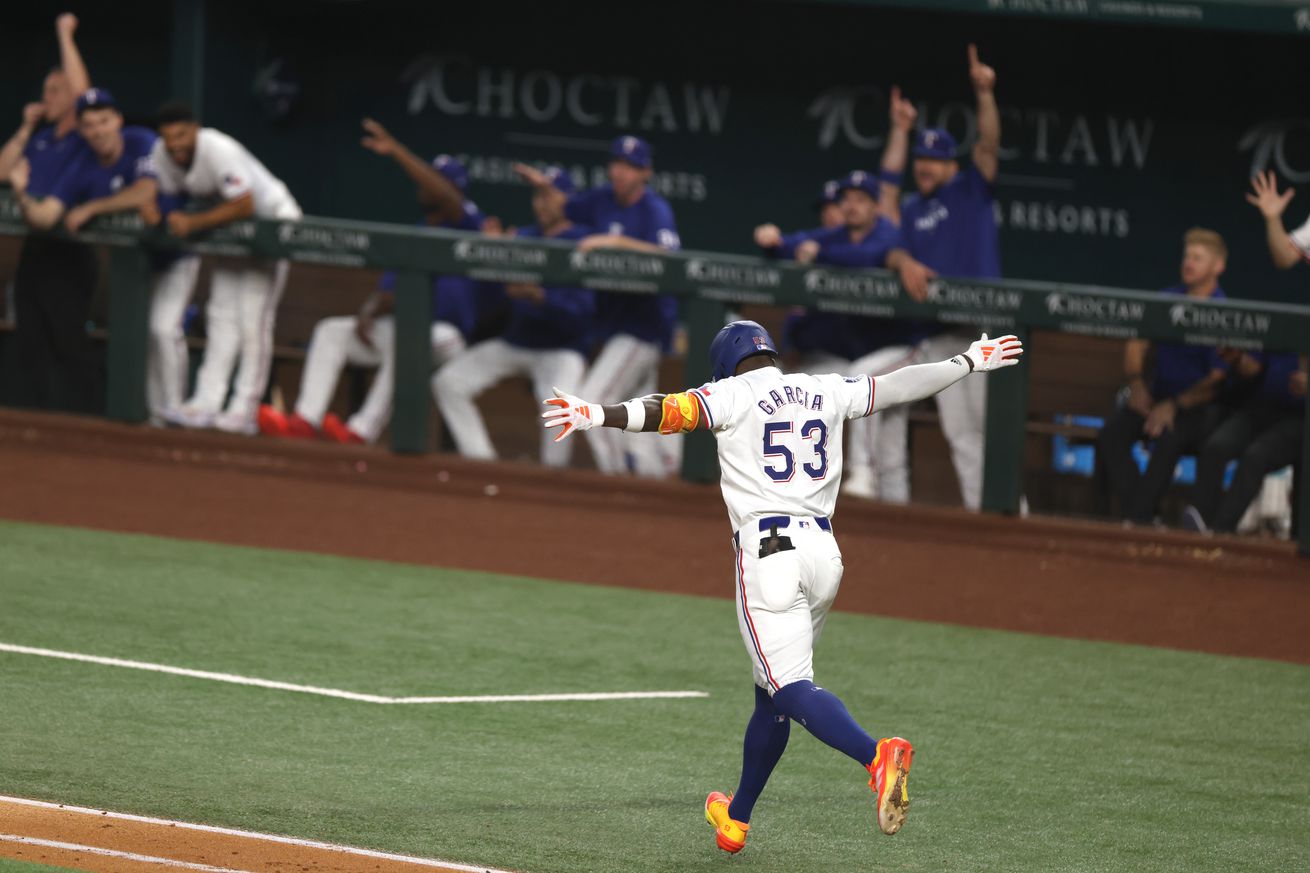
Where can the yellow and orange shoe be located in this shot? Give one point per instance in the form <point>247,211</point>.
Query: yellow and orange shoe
<point>729,833</point>
<point>889,772</point>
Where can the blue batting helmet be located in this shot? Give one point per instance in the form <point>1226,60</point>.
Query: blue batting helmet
<point>734,344</point>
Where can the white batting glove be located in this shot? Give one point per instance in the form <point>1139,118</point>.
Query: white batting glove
<point>988,354</point>
<point>571,413</point>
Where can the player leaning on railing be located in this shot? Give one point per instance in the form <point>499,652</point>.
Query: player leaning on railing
<point>780,452</point>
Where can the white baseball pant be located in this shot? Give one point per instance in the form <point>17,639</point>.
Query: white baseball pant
<point>335,344</point>
<point>458,384</point>
<point>625,368</point>
<point>963,411</point>
<point>783,599</point>
<point>878,443</point>
<point>166,362</point>
<point>243,299</point>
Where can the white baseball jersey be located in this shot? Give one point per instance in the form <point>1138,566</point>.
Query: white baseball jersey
<point>1301,237</point>
<point>223,168</point>
<point>780,437</point>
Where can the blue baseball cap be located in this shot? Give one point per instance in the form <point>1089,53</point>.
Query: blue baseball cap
<point>631,149</point>
<point>735,343</point>
<point>935,143</point>
<point>831,193</point>
<point>95,98</point>
<point>559,179</point>
<point>455,172</point>
<point>858,180</point>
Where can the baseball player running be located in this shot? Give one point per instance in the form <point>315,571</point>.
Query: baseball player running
<point>546,339</point>
<point>779,440</point>
<point>214,170</point>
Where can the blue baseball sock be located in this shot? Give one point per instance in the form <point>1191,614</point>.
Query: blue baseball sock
<point>766,738</point>
<point>823,714</point>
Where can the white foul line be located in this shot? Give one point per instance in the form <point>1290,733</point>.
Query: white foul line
<point>255,835</point>
<point>337,692</point>
<point>112,853</point>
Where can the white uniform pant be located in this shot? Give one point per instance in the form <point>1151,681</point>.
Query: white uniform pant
<point>783,600</point>
<point>336,344</point>
<point>166,362</point>
<point>626,368</point>
<point>243,299</point>
<point>459,383</point>
<point>879,443</point>
<point>963,411</point>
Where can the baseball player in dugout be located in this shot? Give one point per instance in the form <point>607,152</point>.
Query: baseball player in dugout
<point>55,277</point>
<point>779,444</point>
<point>221,182</point>
<point>1174,400</point>
<point>949,225</point>
<point>546,340</point>
<point>368,339</point>
<point>866,238</point>
<point>635,330</point>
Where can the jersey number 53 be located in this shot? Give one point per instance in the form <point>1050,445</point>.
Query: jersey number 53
<point>777,435</point>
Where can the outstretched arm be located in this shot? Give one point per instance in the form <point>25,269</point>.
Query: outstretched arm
<point>665,413</point>
<point>909,384</point>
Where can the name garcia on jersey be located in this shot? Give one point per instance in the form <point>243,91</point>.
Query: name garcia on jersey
<point>788,394</point>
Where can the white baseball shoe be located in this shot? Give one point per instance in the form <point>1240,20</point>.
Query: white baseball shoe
<point>231,422</point>
<point>188,417</point>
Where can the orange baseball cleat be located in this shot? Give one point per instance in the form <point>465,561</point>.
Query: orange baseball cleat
<point>729,833</point>
<point>889,771</point>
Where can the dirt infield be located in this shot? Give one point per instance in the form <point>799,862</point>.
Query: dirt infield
<point>104,842</point>
<point>1091,581</point>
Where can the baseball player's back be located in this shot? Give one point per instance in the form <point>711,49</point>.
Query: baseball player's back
<point>779,439</point>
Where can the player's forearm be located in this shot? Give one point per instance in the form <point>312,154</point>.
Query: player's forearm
<point>131,198</point>
<point>1134,358</point>
<point>1201,393</point>
<point>1281,248</point>
<point>237,209</point>
<point>445,196</point>
<point>986,151</point>
<point>909,384</point>
<point>13,150</point>
<point>70,61</point>
<point>655,413</point>
<point>615,241</point>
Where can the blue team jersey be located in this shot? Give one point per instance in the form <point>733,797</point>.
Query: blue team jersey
<point>1178,366</point>
<point>649,219</point>
<point>48,156</point>
<point>454,298</point>
<point>87,179</point>
<point>563,320</point>
<point>954,231</point>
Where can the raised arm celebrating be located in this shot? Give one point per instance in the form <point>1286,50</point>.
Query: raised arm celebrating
<point>435,188</point>
<point>1283,247</point>
<point>986,151</point>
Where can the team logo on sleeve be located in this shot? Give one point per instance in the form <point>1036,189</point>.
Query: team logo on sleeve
<point>231,181</point>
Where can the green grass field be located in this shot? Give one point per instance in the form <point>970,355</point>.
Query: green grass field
<point>8,865</point>
<point>1033,754</point>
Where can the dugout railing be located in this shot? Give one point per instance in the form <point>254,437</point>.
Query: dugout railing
<point>708,282</point>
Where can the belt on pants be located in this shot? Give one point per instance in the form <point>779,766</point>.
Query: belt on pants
<point>769,522</point>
